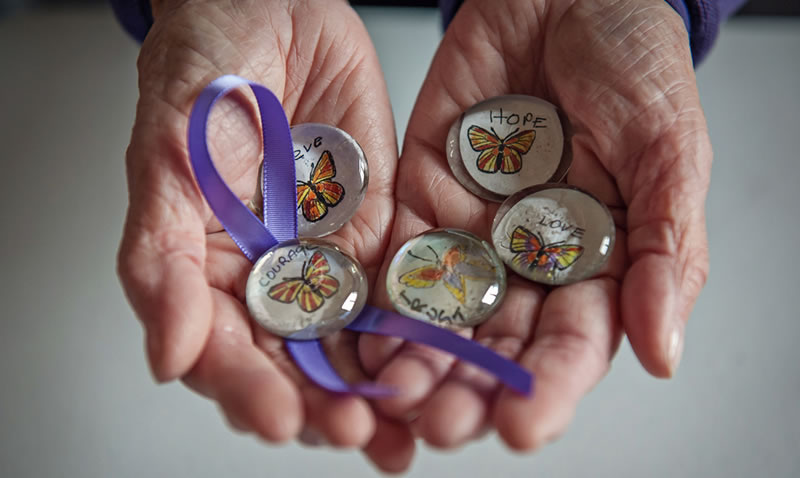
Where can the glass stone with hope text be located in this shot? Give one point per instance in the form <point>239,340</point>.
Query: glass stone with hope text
<point>507,143</point>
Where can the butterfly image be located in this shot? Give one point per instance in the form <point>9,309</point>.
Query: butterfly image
<point>532,252</point>
<point>320,192</point>
<point>504,155</point>
<point>452,271</point>
<point>310,289</point>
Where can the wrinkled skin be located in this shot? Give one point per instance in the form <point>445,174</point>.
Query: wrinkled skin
<point>622,72</point>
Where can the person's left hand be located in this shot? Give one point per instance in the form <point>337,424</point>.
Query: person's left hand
<point>622,72</point>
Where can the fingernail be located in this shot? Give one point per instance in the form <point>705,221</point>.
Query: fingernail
<point>154,356</point>
<point>309,436</point>
<point>675,349</point>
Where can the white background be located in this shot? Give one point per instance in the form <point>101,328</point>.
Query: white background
<point>76,399</point>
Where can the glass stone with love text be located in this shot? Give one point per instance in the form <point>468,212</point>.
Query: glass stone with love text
<point>553,234</point>
<point>305,289</point>
<point>332,177</point>
<point>448,277</point>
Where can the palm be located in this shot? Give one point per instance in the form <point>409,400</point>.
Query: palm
<point>184,276</point>
<point>623,76</point>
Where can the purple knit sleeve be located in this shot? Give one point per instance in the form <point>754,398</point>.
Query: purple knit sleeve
<point>135,16</point>
<point>704,18</point>
<point>701,17</point>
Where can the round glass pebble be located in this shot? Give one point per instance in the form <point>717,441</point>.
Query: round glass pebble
<point>507,143</point>
<point>305,289</point>
<point>332,176</point>
<point>448,277</point>
<point>553,234</point>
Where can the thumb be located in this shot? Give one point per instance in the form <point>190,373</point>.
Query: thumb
<point>161,258</point>
<point>667,244</point>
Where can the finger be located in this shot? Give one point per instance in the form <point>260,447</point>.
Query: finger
<point>376,351</point>
<point>392,447</point>
<point>458,410</point>
<point>341,420</point>
<point>163,251</point>
<point>250,389</point>
<point>160,265</point>
<point>347,90</point>
<point>576,337</point>
<point>668,248</point>
<point>588,173</point>
<point>344,421</point>
<point>416,370</point>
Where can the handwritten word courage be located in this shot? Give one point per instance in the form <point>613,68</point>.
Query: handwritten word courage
<point>282,261</point>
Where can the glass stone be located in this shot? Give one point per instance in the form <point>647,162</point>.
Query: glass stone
<point>507,143</point>
<point>448,277</point>
<point>332,176</point>
<point>305,289</point>
<point>553,234</point>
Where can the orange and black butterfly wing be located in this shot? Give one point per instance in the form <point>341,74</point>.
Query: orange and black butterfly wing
<point>286,291</point>
<point>318,276</point>
<point>422,277</point>
<point>309,202</point>
<point>513,149</point>
<point>563,255</point>
<point>526,244</point>
<point>330,192</point>
<point>488,144</point>
<point>296,289</point>
<point>309,300</point>
<point>327,190</point>
<point>325,169</point>
<point>303,192</point>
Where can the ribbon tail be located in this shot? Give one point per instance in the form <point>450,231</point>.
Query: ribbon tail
<point>377,321</point>
<point>309,356</point>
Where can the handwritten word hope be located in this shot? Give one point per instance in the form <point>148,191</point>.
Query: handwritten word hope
<point>528,119</point>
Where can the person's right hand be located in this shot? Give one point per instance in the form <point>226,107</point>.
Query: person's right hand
<point>183,275</point>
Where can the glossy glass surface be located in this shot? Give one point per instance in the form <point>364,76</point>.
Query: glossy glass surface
<point>554,234</point>
<point>448,277</point>
<point>305,289</point>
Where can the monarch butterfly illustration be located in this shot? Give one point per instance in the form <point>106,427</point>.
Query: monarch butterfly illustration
<point>504,155</point>
<point>310,289</point>
<point>320,192</point>
<point>533,253</point>
<point>452,271</point>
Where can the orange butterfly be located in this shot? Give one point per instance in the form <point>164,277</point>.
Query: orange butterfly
<point>452,271</point>
<point>319,193</point>
<point>532,252</point>
<point>497,154</point>
<point>310,289</point>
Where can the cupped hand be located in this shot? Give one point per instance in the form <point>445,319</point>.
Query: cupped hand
<point>621,70</point>
<point>183,275</point>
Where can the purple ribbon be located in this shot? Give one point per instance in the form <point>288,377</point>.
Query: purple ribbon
<point>254,238</point>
